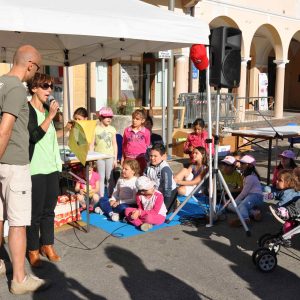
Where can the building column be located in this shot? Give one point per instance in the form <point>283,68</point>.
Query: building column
<point>241,103</point>
<point>115,82</point>
<point>279,88</point>
<point>181,75</point>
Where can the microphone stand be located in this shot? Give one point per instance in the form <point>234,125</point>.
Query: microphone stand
<point>277,134</point>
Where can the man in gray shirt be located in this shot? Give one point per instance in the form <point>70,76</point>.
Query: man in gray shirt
<point>15,180</point>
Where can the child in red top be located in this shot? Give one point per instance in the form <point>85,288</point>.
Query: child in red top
<point>151,208</point>
<point>136,139</point>
<point>197,138</point>
<point>94,188</point>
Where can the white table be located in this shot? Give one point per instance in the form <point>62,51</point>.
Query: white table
<point>266,134</point>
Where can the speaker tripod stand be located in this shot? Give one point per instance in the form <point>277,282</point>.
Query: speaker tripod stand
<point>213,172</point>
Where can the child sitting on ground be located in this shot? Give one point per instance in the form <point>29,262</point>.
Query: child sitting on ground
<point>189,178</point>
<point>288,207</point>
<point>197,138</point>
<point>151,209</point>
<point>251,196</point>
<point>232,177</point>
<point>94,188</point>
<point>124,194</point>
<point>159,171</point>
<point>287,161</point>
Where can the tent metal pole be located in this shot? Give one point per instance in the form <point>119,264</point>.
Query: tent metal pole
<point>163,91</point>
<point>88,88</point>
<point>190,61</point>
<point>210,169</point>
<point>170,100</point>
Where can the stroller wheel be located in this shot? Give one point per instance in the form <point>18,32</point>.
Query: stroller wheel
<point>266,261</point>
<point>256,253</point>
<point>270,241</point>
<point>264,236</point>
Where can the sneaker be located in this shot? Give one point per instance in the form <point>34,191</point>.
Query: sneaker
<point>115,217</point>
<point>275,214</point>
<point>146,226</point>
<point>256,213</point>
<point>2,267</point>
<point>81,209</point>
<point>91,208</point>
<point>98,210</point>
<point>30,284</point>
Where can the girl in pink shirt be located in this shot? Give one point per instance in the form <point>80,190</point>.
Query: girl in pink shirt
<point>94,188</point>
<point>197,138</point>
<point>136,140</point>
<point>151,208</point>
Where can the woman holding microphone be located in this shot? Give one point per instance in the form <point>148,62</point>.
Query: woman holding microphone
<point>45,165</point>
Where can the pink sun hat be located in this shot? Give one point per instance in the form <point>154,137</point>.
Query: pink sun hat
<point>248,159</point>
<point>106,112</point>
<point>229,160</point>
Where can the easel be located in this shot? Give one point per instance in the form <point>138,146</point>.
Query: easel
<point>90,157</point>
<point>214,172</point>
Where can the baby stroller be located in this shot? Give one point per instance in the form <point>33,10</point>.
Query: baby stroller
<point>269,245</point>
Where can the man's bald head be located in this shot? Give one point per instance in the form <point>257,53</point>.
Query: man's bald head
<point>24,54</point>
<point>26,62</point>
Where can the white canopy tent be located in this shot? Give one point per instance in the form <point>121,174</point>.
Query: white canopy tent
<point>70,32</point>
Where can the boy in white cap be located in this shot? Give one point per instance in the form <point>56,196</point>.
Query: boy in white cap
<point>151,209</point>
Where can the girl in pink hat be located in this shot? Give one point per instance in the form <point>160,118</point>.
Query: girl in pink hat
<point>287,161</point>
<point>251,196</point>
<point>105,142</point>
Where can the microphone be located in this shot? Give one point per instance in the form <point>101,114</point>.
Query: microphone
<point>50,99</point>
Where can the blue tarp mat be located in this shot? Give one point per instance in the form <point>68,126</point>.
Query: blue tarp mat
<point>124,230</point>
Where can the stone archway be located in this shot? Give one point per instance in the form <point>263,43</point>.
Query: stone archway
<point>266,54</point>
<point>292,79</point>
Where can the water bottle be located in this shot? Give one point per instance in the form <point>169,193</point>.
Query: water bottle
<point>268,195</point>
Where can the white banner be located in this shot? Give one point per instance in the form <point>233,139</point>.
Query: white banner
<point>263,91</point>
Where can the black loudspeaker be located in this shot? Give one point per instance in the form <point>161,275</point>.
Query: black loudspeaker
<point>225,57</point>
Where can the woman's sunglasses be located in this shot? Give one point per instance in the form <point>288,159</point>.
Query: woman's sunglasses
<point>46,86</point>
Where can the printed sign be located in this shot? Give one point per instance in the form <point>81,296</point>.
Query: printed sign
<point>164,54</point>
<point>263,91</point>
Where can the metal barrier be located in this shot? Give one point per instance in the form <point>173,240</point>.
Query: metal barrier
<point>255,108</point>
<point>196,107</point>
